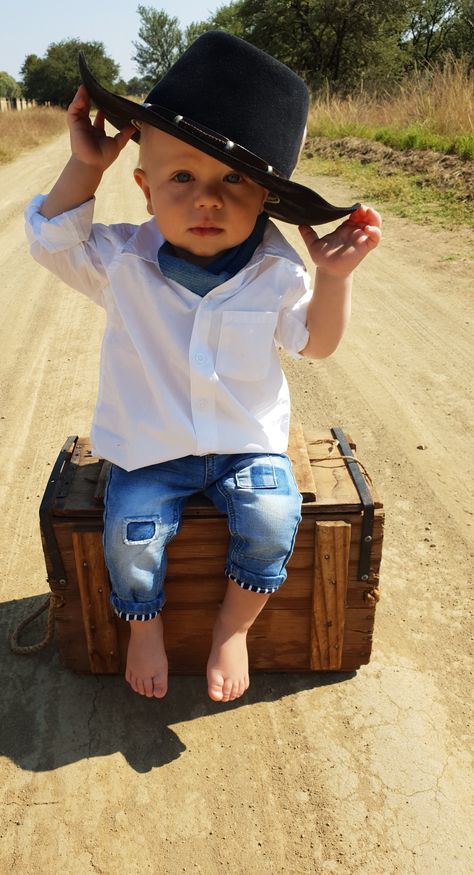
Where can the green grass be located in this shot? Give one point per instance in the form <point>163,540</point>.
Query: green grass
<point>414,136</point>
<point>403,195</point>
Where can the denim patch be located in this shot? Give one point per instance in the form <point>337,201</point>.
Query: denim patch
<point>139,531</point>
<point>256,477</point>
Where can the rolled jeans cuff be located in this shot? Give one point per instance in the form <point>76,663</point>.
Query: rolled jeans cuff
<point>253,583</point>
<point>128,610</point>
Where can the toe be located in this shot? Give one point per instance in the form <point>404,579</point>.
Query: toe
<point>133,682</point>
<point>159,688</point>
<point>242,688</point>
<point>139,686</point>
<point>148,686</point>
<point>130,680</point>
<point>227,690</point>
<point>215,684</point>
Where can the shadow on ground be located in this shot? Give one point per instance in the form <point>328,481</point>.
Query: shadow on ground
<point>52,717</point>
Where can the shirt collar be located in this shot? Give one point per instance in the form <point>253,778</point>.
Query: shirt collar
<point>147,239</point>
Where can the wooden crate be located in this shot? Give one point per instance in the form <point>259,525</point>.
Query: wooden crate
<point>321,619</point>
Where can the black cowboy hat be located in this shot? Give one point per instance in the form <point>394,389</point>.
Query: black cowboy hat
<point>223,83</point>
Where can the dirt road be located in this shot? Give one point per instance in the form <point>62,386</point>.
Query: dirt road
<point>306,775</point>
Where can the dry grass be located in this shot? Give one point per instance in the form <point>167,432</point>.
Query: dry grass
<point>28,128</point>
<point>433,109</point>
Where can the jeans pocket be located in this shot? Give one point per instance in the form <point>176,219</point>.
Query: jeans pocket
<point>256,475</point>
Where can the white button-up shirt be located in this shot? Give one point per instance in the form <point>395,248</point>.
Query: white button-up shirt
<point>180,374</point>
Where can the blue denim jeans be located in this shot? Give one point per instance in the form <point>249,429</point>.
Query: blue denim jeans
<point>143,509</point>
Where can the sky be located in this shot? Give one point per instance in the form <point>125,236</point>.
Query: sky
<point>30,26</point>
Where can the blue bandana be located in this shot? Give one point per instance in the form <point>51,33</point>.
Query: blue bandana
<point>202,280</point>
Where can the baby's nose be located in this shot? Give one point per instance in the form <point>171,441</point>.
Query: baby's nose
<point>209,196</point>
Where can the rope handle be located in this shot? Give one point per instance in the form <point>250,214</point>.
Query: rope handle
<point>52,601</point>
<point>334,444</point>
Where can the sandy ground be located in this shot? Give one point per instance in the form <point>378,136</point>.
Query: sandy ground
<point>324,773</point>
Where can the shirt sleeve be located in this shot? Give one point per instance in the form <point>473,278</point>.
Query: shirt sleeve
<point>291,332</point>
<point>66,246</point>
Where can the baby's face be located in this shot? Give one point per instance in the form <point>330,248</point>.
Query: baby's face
<point>202,207</point>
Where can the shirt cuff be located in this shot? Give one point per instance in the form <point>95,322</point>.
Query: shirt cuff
<point>61,232</point>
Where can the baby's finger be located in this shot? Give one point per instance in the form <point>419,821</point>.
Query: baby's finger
<point>99,120</point>
<point>374,235</point>
<point>373,218</point>
<point>80,103</point>
<point>365,215</point>
<point>311,240</point>
<point>308,234</point>
<point>124,136</point>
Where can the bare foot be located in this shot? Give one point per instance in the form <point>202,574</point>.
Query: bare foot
<point>147,665</point>
<point>228,663</point>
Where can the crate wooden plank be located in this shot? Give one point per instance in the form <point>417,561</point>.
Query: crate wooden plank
<point>334,483</point>
<point>70,634</point>
<point>98,617</point>
<point>331,559</point>
<point>298,454</point>
<point>190,582</point>
<point>281,643</point>
<point>277,642</point>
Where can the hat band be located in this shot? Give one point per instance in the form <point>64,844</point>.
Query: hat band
<point>212,138</point>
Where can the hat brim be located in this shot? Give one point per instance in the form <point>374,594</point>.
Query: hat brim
<point>297,204</point>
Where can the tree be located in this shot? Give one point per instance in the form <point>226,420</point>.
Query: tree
<point>430,28</point>
<point>341,41</point>
<point>136,87</point>
<point>162,43</point>
<point>229,18</point>
<point>9,87</point>
<point>55,78</point>
<point>195,29</point>
<point>460,39</point>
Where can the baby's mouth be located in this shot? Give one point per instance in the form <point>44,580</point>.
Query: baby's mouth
<point>206,231</point>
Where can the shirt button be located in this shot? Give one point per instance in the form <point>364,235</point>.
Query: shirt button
<point>200,358</point>
<point>202,404</point>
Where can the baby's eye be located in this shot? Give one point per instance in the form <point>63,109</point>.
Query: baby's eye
<point>182,176</point>
<point>234,178</point>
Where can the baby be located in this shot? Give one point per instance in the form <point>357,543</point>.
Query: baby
<point>192,396</point>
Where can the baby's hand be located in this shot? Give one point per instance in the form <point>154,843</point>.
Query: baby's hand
<point>339,252</point>
<point>89,142</point>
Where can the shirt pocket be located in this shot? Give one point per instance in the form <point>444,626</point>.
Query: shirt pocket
<point>246,344</point>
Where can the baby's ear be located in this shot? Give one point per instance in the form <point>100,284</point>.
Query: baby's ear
<point>141,180</point>
<point>265,194</point>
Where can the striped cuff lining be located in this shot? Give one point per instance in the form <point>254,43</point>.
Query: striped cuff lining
<point>250,586</point>
<point>124,616</point>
